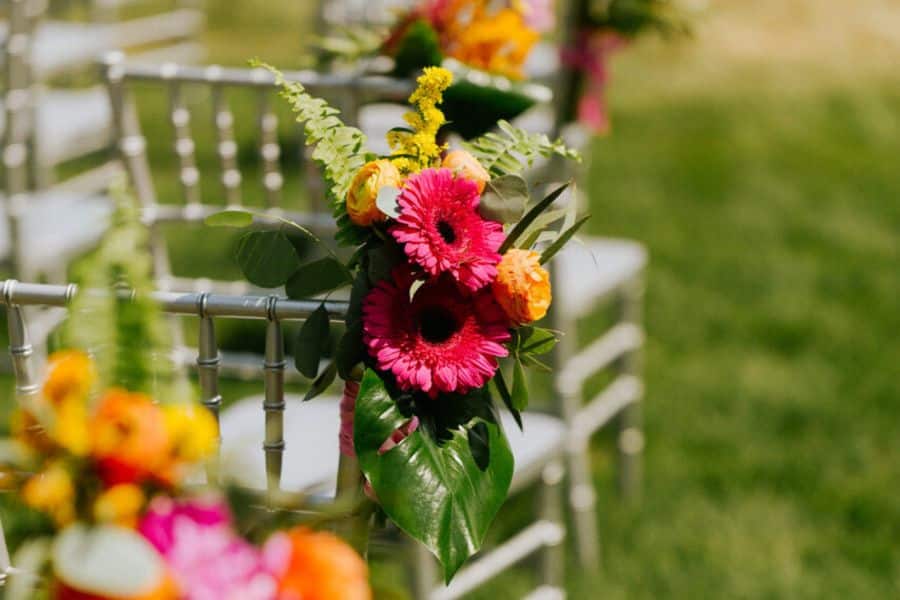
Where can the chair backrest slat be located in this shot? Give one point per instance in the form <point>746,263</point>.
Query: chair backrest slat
<point>226,146</point>
<point>274,403</point>
<point>270,150</point>
<point>180,118</point>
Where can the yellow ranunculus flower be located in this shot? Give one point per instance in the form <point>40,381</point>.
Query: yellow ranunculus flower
<point>364,188</point>
<point>52,492</point>
<point>193,431</point>
<point>70,429</point>
<point>522,287</point>
<point>120,505</point>
<point>466,166</point>
<point>70,373</point>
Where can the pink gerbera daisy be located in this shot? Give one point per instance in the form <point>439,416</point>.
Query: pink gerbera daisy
<point>441,230</point>
<point>443,340</point>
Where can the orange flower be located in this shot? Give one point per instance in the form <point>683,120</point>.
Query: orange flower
<point>129,437</point>
<point>166,590</point>
<point>522,286</point>
<point>364,188</point>
<point>120,505</point>
<point>466,166</point>
<point>323,567</point>
<point>27,429</point>
<point>71,374</point>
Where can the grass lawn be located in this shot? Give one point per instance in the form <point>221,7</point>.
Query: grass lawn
<point>767,194</point>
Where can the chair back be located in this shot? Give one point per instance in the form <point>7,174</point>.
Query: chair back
<point>360,12</point>
<point>218,86</point>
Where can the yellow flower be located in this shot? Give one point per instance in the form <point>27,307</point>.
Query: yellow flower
<point>28,430</point>
<point>52,492</point>
<point>497,43</point>
<point>466,166</point>
<point>193,431</point>
<point>417,150</point>
<point>70,430</point>
<point>71,373</point>
<point>364,188</point>
<point>522,287</point>
<point>120,505</point>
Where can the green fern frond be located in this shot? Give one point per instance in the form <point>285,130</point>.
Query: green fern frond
<point>512,150</point>
<point>128,336</point>
<point>339,149</point>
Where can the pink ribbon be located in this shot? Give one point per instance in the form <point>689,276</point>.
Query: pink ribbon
<point>591,56</point>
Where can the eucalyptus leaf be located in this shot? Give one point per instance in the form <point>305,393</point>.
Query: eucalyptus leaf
<point>504,199</point>
<point>322,382</point>
<point>563,238</point>
<point>429,484</point>
<point>529,218</point>
<point>519,394</point>
<point>267,258</point>
<point>349,350</point>
<point>387,201</point>
<point>230,218</point>
<point>312,339</point>
<point>382,261</point>
<point>317,277</point>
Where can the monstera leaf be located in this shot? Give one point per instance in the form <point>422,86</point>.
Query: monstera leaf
<point>444,483</point>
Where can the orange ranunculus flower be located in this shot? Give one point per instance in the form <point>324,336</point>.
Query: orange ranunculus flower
<point>120,505</point>
<point>70,374</point>
<point>52,492</point>
<point>467,166</point>
<point>323,567</point>
<point>522,286</point>
<point>167,590</point>
<point>129,438</point>
<point>364,188</point>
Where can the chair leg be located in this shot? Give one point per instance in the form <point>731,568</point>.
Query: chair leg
<point>630,443</point>
<point>582,499</point>
<point>424,575</point>
<point>551,511</point>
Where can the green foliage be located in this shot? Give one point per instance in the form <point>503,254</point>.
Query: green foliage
<point>128,335</point>
<point>504,199</point>
<point>631,17</point>
<point>418,48</point>
<point>530,217</point>
<point>311,343</point>
<point>459,449</point>
<point>338,149</point>
<point>267,258</point>
<point>511,151</point>
<point>317,277</point>
<point>562,240</point>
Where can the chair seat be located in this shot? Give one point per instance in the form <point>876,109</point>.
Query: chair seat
<point>311,444</point>
<point>57,226</point>
<point>61,45</point>
<point>543,62</point>
<point>375,120</point>
<point>589,270</point>
<point>70,123</point>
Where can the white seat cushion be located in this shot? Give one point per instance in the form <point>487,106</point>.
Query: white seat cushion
<point>375,120</point>
<point>70,123</point>
<point>57,226</point>
<point>586,271</point>
<point>311,443</point>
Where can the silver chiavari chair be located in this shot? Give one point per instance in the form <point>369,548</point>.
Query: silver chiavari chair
<point>284,461</point>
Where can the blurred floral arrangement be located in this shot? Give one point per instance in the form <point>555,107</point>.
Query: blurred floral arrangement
<point>605,27</point>
<point>485,43</point>
<point>107,470</point>
<point>447,280</point>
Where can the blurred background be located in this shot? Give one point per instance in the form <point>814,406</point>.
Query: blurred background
<point>757,159</point>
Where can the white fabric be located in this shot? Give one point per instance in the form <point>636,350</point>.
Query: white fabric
<point>591,268</point>
<point>311,443</point>
<point>70,123</point>
<point>55,227</point>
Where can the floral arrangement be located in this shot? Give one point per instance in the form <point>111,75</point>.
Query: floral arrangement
<point>447,281</point>
<point>604,28</point>
<point>105,472</point>
<point>485,43</point>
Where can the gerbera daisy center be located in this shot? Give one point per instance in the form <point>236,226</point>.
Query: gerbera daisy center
<point>437,324</point>
<point>446,231</point>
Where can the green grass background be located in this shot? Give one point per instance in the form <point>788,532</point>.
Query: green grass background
<point>767,190</point>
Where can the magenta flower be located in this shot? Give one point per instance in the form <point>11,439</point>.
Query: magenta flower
<point>445,339</point>
<point>208,560</point>
<point>441,230</point>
